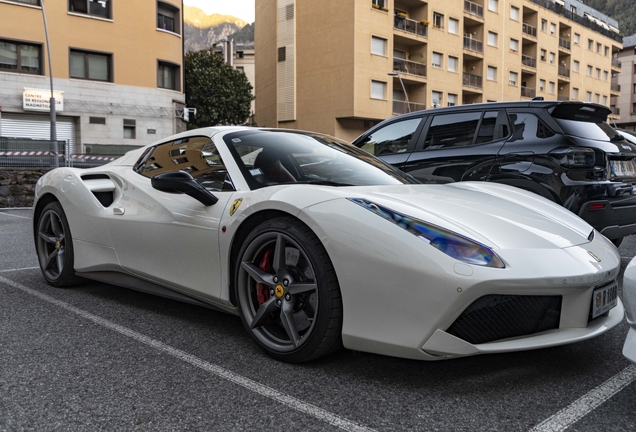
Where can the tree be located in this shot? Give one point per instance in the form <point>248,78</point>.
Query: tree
<point>220,94</point>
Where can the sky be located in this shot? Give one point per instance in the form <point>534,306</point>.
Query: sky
<point>243,9</point>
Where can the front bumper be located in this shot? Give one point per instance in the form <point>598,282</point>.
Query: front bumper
<point>629,296</point>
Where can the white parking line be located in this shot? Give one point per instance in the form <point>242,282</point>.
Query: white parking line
<point>12,215</point>
<point>588,402</point>
<point>220,372</point>
<point>18,269</point>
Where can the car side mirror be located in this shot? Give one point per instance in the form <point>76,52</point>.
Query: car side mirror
<point>181,182</point>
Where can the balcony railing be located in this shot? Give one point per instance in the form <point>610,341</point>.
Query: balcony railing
<point>401,107</point>
<point>472,80</point>
<point>616,63</point>
<point>473,44</point>
<point>564,43</point>
<point>555,7</point>
<point>616,111</point>
<point>615,87</point>
<point>473,8</point>
<point>410,25</point>
<point>528,61</point>
<point>564,72</point>
<point>409,67</point>
<point>529,30</point>
<point>528,92</point>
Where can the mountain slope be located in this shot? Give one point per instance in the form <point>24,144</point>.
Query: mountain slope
<point>623,11</point>
<point>201,31</point>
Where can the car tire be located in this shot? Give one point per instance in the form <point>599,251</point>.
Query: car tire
<point>54,247</point>
<point>288,294</point>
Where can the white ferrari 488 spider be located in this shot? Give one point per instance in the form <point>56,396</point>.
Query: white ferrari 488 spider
<point>317,244</point>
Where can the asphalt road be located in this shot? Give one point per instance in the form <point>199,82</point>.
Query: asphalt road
<point>99,357</point>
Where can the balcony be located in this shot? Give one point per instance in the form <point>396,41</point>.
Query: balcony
<point>529,30</point>
<point>528,61</point>
<point>564,72</point>
<point>615,111</point>
<point>472,80</point>
<point>528,92</point>
<point>410,25</point>
<point>473,44</point>
<point>564,43</point>
<point>473,9</point>
<point>615,87</point>
<point>409,67</point>
<point>401,107</point>
<point>616,63</point>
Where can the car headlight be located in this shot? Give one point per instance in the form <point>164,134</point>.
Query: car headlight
<point>454,245</point>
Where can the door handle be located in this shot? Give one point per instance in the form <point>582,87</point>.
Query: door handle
<point>118,211</point>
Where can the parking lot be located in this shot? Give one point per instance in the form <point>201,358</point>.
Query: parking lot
<point>99,357</point>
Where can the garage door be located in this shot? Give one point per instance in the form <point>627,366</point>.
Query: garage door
<point>37,127</point>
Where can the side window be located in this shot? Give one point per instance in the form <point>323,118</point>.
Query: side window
<point>452,130</point>
<point>197,156</point>
<point>528,126</point>
<point>487,128</point>
<point>393,138</point>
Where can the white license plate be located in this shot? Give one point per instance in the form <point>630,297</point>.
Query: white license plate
<point>623,168</point>
<point>603,299</point>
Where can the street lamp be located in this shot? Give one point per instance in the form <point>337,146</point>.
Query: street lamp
<point>397,74</point>
<point>52,100</point>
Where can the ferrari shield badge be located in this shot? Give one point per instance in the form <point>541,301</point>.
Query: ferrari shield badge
<point>235,205</point>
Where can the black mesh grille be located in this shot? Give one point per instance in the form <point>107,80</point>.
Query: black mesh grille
<point>495,317</point>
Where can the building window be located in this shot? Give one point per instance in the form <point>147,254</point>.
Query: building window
<point>453,26</point>
<point>605,100</point>
<point>575,66</point>
<point>282,54</point>
<point>551,87</point>
<point>97,120</point>
<point>542,85</point>
<point>606,51</point>
<point>436,98</point>
<point>438,20</point>
<point>588,96</point>
<point>598,47</point>
<point>514,13</point>
<point>552,57</point>
<point>29,2</point>
<point>91,65</point>
<point>492,73</point>
<point>437,60</point>
<point>512,80</point>
<point>493,5</point>
<point>577,38</point>
<point>590,44</point>
<point>543,54</point>
<point>514,45</point>
<point>129,129</point>
<point>378,46</point>
<point>453,63</point>
<point>168,76</point>
<point>240,69</point>
<point>605,75</point>
<point>552,28</point>
<point>597,98</point>
<point>597,73</point>
<point>240,54</point>
<point>575,94</point>
<point>492,39</point>
<point>451,99</point>
<point>168,17</point>
<point>378,4</point>
<point>378,90</point>
<point>544,25</point>
<point>589,70</point>
<point>97,8</point>
<point>20,57</point>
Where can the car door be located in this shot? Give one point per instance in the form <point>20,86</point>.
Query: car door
<point>392,141</point>
<point>173,238</point>
<point>458,146</point>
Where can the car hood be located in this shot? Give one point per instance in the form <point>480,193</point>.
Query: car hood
<point>497,215</point>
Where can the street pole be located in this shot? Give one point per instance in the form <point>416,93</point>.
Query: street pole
<point>55,160</point>
<point>397,73</point>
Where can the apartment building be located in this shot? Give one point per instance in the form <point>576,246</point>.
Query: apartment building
<point>338,67</point>
<point>624,82</point>
<point>117,70</point>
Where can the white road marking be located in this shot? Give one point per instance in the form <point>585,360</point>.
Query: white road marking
<point>12,215</point>
<point>220,372</point>
<point>588,402</point>
<point>18,269</point>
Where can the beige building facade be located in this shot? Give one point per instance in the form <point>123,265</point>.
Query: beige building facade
<point>624,104</point>
<point>338,67</point>
<point>117,71</point>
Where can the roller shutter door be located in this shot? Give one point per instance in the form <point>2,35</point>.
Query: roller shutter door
<point>37,127</point>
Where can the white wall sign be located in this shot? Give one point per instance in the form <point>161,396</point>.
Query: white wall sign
<point>38,100</point>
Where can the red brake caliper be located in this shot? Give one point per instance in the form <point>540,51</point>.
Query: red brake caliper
<point>262,292</point>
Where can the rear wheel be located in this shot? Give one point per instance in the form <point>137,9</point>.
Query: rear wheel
<point>288,294</point>
<point>54,247</point>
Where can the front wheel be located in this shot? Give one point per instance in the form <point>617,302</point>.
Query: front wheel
<point>54,246</point>
<point>288,294</point>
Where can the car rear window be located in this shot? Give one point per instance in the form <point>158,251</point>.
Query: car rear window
<point>584,121</point>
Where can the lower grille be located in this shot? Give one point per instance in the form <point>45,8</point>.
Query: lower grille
<point>495,317</point>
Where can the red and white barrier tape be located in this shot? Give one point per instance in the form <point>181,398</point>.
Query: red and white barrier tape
<point>48,153</point>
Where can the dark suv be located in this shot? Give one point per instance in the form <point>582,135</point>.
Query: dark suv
<point>563,151</point>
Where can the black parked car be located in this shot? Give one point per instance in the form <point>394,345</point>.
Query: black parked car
<point>563,151</point>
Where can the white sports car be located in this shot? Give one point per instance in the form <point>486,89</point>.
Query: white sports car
<point>629,294</point>
<point>317,244</point>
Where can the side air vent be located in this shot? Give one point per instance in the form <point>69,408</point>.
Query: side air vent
<point>102,187</point>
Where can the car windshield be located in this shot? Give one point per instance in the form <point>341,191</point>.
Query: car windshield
<point>271,157</point>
